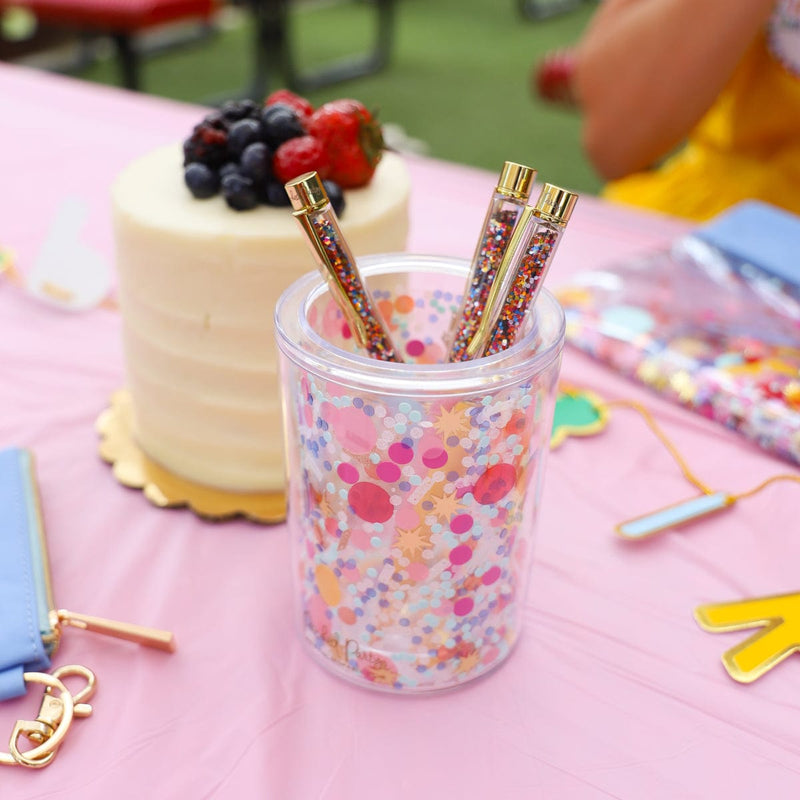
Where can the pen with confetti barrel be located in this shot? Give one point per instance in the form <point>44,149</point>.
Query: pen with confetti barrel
<point>521,274</point>
<point>508,200</point>
<point>318,220</point>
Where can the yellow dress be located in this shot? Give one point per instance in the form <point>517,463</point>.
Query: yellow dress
<point>748,143</point>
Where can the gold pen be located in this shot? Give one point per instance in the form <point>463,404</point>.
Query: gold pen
<point>317,219</point>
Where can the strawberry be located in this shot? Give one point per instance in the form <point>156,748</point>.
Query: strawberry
<point>352,138</point>
<point>301,106</point>
<point>299,155</point>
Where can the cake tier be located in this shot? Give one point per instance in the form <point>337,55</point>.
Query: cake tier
<point>198,284</point>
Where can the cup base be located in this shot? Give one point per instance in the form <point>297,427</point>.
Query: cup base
<point>352,675</point>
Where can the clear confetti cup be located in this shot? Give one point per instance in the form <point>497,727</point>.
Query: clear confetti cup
<point>413,487</point>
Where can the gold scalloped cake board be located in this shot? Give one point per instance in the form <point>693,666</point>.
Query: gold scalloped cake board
<point>132,468</point>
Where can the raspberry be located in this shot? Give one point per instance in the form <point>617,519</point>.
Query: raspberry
<point>299,155</point>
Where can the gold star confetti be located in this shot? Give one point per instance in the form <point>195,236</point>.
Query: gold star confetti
<point>452,422</point>
<point>325,507</point>
<point>383,675</point>
<point>413,542</point>
<point>444,506</point>
<point>469,662</point>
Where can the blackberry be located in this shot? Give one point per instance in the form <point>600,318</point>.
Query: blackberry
<point>239,192</point>
<point>207,144</point>
<point>202,181</point>
<point>335,195</point>
<point>280,123</point>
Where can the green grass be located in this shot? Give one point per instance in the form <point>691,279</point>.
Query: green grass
<point>458,79</point>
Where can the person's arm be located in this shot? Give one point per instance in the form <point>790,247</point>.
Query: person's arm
<point>647,70</point>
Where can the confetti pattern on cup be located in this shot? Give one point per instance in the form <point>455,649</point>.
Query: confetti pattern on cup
<point>416,318</point>
<point>417,526</point>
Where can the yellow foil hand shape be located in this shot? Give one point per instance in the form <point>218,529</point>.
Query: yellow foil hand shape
<point>778,616</point>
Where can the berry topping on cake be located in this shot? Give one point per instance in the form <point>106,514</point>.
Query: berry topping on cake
<point>280,123</point>
<point>299,155</point>
<point>256,162</point>
<point>202,181</point>
<point>353,139</point>
<point>242,133</point>
<point>247,151</point>
<point>335,195</point>
<point>239,192</point>
<point>302,107</point>
<point>208,143</point>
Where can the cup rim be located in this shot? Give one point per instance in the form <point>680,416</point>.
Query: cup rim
<point>523,357</point>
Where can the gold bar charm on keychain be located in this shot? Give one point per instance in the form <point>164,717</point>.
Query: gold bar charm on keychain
<point>149,637</point>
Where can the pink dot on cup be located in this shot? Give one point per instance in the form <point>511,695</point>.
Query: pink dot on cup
<point>329,413</point>
<point>387,471</point>
<point>346,332</point>
<point>346,615</point>
<point>494,484</point>
<point>435,457</point>
<point>401,453</point>
<point>406,516</point>
<point>370,502</point>
<point>460,554</point>
<point>490,576</point>
<point>415,347</point>
<point>463,606</point>
<point>461,524</point>
<point>347,472</point>
<point>355,430</point>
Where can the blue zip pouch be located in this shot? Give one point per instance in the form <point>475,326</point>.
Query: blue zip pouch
<point>27,633</point>
<point>30,624</point>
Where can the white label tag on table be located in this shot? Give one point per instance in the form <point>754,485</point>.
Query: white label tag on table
<point>674,515</point>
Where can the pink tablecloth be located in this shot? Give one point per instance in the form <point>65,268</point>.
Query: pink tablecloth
<point>614,691</point>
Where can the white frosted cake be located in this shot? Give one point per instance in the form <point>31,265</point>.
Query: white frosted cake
<point>198,284</point>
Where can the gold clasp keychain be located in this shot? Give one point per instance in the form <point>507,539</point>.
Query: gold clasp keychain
<point>56,713</point>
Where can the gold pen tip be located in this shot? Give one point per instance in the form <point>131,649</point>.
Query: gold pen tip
<point>306,192</point>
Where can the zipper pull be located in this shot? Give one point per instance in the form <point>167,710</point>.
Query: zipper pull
<point>149,637</point>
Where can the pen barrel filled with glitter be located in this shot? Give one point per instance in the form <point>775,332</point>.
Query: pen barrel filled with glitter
<point>334,258</point>
<point>522,272</point>
<point>506,204</point>
<point>414,487</point>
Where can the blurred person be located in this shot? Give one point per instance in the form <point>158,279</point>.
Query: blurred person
<point>689,106</point>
